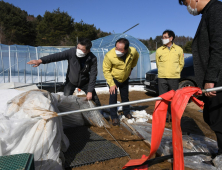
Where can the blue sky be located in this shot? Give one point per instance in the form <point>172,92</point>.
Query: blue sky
<point>153,16</point>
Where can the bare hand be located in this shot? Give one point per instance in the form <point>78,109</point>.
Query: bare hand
<point>112,89</point>
<point>35,63</point>
<point>89,96</point>
<point>209,86</point>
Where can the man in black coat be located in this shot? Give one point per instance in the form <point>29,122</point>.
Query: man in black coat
<point>82,69</point>
<point>207,59</point>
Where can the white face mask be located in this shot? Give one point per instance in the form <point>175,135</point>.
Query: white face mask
<point>165,41</point>
<point>119,54</point>
<point>79,53</point>
<point>191,10</point>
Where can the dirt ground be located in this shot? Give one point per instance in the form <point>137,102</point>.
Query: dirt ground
<point>192,122</point>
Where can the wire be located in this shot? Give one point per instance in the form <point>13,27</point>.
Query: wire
<point>90,104</point>
<point>117,142</point>
<point>12,66</point>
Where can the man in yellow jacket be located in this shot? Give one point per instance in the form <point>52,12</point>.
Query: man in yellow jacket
<point>170,62</point>
<point>117,66</point>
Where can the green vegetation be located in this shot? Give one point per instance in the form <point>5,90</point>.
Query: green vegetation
<point>55,28</point>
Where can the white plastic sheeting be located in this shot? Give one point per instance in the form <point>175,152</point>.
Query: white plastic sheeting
<point>21,132</point>
<point>218,162</point>
<point>191,143</point>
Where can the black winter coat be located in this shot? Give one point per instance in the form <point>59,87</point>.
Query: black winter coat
<point>75,74</point>
<point>207,46</point>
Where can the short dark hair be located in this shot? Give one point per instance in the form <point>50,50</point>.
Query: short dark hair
<point>86,42</point>
<point>181,2</point>
<point>124,41</point>
<point>170,33</point>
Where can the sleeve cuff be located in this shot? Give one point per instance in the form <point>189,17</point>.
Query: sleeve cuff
<point>207,81</point>
<point>42,58</point>
<point>111,84</point>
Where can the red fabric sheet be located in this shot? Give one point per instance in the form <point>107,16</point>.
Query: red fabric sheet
<point>179,100</point>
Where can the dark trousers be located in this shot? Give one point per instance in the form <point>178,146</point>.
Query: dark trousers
<point>212,114</point>
<point>70,88</point>
<point>166,85</point>
<point>124,93</point>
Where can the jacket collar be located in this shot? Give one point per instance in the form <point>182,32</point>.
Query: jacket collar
<point>173,46</point>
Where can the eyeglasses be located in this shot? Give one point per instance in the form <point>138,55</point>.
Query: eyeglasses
<point>165,37</point>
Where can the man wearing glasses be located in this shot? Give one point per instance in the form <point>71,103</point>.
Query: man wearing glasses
<point>170,62</point>
<point>82,69</point>
<point>207,59</point>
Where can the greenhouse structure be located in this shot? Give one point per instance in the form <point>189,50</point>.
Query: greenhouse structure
<point>14,58</point>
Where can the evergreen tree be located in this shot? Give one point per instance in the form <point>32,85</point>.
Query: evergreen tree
<point>188,47</point>
<point>54,28</point>
<point>14,26</point>
<point>83,30</point>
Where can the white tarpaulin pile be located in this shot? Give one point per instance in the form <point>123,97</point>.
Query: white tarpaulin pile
<point>22,132</point>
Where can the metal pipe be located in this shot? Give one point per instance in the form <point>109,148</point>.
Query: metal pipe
<point>212,89</point>
<point>31,74</point>
<point>130,28</point>
<point>57,75</point>
<point>126,103</point>
<point>8,76</point>
<point>30,65</point>
<point>110,106</point>
<point>4,76</point>
<point>45,71</point>
<point>55,79</point>
<point>29,84</point>
<point>41,79</point>
<point>37,59</point>
<point>3,65</point>
<point>17,63</point>
<point>25,75</point>
<point>10,66</point>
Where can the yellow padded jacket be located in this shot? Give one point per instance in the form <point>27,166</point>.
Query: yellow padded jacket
<point>115,67</point>
<point>169,62</point>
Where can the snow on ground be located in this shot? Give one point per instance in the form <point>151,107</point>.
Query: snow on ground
<point>105,90</point>
<point>139,116</point>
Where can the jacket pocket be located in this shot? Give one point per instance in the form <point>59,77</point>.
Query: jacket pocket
<point>162,58</point>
